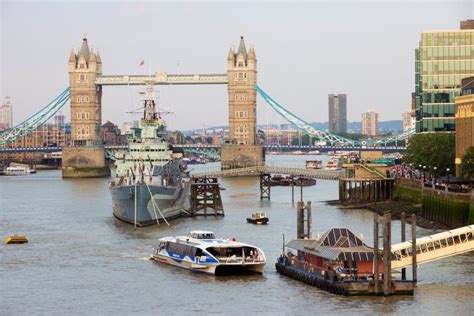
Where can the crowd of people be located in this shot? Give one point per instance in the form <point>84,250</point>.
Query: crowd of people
<point>408,171</point>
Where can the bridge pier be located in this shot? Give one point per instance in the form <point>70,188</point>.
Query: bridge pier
<point>265,186</point>
<point>205,194</point>
<point>84,162</point>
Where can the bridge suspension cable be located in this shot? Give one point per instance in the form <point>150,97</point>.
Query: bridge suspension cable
<point>307,128</point>
<point>36,120</point>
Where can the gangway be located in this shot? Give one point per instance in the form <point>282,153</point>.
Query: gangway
<point>434,247</point>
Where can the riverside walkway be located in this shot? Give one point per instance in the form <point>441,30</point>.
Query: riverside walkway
<point>262,169</point>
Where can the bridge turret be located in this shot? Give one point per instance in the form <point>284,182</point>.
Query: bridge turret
<point>86,117</point>
<point>243,149</point>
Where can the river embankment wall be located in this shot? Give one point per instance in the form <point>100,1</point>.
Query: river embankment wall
<point>447,208</point>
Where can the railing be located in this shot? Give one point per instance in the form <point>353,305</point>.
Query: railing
<point>372,170</point>
<point>434,247</point>
<point>261,169</point>
<point>247,259</point>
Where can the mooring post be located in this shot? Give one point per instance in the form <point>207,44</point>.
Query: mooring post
<point>413,247</point>
<point>403,238</point>
<point>292,189</point>
<point>387,263</point>
<point>309,219</point>
<point>299,220</point>
<point>301,189</point>
<point>376,254</point>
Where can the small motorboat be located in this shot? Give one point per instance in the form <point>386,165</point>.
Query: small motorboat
<point>16,239</point>
<point>258,218</point>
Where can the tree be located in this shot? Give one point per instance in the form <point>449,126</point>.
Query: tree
<point>467,163</point>
<point>432,150</point>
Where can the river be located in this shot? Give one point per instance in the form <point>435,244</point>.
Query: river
<point>81,260</point>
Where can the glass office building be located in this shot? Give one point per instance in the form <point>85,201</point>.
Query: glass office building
<point>442,60</point>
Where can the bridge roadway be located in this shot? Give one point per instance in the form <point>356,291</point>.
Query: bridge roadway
<point>258,170</point>
<point>269,148</point>
<point>434,247</point>
<point>161,78</point>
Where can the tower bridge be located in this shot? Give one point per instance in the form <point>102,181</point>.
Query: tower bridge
<point>86,155</point>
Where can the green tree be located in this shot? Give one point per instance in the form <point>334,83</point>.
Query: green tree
<point>467,163</point>
<point>432,150</point>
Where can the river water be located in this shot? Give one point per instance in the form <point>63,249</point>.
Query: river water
<point>81,260</point>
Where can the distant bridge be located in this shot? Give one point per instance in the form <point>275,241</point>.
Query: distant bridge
<point>214,151</point>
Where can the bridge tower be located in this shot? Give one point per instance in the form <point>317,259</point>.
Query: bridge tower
<point>242,148</point>
<point>85,157</point>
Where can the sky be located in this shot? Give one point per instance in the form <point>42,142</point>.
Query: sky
<point>305,51</point>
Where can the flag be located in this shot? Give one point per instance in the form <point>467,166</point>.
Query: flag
<point>141,63</point>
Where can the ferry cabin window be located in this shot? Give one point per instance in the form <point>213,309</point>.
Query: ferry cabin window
<point>203,236</point>
<point>184,250</point>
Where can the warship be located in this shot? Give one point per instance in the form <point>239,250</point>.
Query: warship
<point>150,184</point>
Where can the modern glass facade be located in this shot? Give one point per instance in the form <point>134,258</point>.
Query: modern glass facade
<point>441,61</point>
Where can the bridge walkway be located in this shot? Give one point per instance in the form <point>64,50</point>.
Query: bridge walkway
<point>434,247</point>
<point>258,170</point>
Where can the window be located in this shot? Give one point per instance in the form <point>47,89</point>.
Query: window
<point>82,66</point>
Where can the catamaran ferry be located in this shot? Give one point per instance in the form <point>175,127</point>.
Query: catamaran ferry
<point>201,251</point>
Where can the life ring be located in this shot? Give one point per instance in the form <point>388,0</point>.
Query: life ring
<point>364,142</point>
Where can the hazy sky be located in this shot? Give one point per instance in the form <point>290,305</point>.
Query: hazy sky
<point>305,51</point>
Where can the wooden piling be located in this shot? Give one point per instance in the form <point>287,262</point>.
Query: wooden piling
<point>387,251</point>
<point>292,190</point>
<point>376,254</point>
<point>413,248</point>
<point>303,220</point>
<point>403,238</point>
<point>301,189</point>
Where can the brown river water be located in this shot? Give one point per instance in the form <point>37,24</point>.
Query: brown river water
<point>81,260</point>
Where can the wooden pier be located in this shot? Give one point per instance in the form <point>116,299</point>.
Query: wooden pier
<point>362,191</point>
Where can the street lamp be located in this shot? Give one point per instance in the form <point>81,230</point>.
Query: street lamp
<point>419,167</point>
<point>434,177</point>
<point>424,169</point>
<point>447,171</point>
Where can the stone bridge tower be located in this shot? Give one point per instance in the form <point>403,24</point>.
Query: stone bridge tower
<point>242,148</point>
<point>85,157</point>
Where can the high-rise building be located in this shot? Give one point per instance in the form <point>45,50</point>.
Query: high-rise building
<point>464,120</point>
<point>370,123</point>
<point>337,113</point>
<point>443,59</point>
<point>6,114</point>
<point>408,121</point>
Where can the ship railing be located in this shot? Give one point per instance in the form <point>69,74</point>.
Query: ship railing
<point>234,259</point>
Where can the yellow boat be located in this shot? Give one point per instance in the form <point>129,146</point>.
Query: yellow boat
<point>16,239</point>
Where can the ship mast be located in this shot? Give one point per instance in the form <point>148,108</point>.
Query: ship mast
<point>149,111</point>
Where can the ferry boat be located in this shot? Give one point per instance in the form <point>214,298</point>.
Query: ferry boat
<point>19,170</point>
<point>201,251</point>
<point>151,184</point>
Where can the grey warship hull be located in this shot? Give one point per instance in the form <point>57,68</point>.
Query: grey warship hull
<point>171,202</point>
